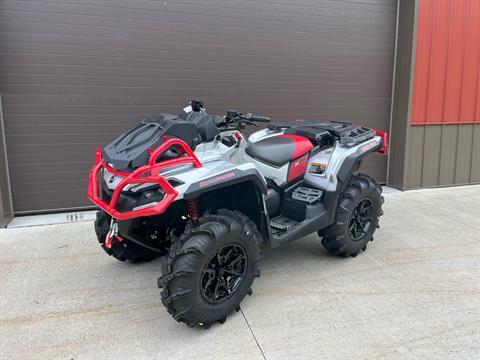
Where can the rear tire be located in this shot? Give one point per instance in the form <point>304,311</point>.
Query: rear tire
<point>358,211</point>
<point>124,250</point>
<point>210,268</point>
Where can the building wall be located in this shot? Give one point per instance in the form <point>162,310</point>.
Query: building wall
<point>439,125</point>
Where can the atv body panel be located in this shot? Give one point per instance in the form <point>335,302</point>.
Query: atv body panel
<point>298,169</point>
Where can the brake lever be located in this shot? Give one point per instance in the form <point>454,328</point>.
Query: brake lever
<point>243,121</point>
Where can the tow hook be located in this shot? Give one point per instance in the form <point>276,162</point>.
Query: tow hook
<point>112,234</point>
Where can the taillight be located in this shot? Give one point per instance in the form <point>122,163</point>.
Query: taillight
<point>384,148</point>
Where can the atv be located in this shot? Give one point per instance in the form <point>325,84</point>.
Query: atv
<point>195,191</point>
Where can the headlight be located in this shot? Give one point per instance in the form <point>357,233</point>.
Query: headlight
<point>111,180</point>
<point>140,187</point>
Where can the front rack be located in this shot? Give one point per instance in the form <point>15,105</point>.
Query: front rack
<point>149,173</point>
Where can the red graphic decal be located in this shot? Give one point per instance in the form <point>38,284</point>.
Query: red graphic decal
<point>368,146</point>
<point>297,168</point>
<point>216,179</point>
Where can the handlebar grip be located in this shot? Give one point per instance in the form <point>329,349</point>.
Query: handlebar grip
<point>260,118</point>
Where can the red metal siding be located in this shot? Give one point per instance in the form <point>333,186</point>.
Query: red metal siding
<point>446,84</point>
<point>455,64</point>
<point>471,62</point>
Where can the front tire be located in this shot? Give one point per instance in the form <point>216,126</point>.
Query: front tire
<point>358,211</point>
<point>211,268</point>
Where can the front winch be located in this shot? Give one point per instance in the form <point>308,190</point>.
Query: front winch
<point>112,234</point>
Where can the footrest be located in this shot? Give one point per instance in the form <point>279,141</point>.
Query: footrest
<point>282,223</point>
<point>307,195</point>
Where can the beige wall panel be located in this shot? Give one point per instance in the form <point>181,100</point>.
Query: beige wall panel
<point>431,155</point>
<point>475,176</point>
<point>414,163</point>
<point>464,154</point>
<point>448,153</point>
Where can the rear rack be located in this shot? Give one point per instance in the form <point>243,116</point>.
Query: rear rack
<point>149,173</point>
<point>348,134</point>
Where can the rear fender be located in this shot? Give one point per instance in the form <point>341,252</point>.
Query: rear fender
<point>349,166</point>
<point>352,162</point>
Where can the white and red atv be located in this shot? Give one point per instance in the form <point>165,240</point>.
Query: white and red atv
<point>195,191</point>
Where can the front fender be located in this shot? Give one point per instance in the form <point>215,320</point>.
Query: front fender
<point>225,179</point>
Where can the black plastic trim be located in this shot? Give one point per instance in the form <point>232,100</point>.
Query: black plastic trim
<point>351,163</point>
<point>348,165</point>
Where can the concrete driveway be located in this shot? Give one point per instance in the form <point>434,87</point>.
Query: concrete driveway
<point>413,294</point>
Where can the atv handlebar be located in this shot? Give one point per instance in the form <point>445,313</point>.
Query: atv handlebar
<point>236,116</point>
<point>257,118</point>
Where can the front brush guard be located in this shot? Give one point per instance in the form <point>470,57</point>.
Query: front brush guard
<point>149,173</point>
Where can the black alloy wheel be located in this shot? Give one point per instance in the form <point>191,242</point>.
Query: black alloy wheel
<point>223,273</point>
<point>361,219</point>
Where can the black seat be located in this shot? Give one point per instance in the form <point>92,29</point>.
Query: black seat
<point>276,151</point>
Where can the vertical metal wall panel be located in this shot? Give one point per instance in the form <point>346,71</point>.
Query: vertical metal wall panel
<point>471,63</point>
<point>453,92</point>
<point>448,155</point>
<point>477,113</point>
<point>422,61</point>
<point>447,62</point>
<point>75,74</point>
<point>414,158</point>
<point>464,154</point>
<point>431,155</point>
<point>475,170</point>
<point>438,62</point>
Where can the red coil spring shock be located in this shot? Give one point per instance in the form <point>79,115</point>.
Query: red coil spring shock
<point>193,209</point>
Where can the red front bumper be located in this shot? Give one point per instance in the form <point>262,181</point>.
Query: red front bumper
<point>149,173</point>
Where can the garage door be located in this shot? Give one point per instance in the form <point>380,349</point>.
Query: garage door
<point>73,76</point>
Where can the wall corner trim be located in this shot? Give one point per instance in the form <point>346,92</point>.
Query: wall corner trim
<point>402,92</point>
<point>6,203</point>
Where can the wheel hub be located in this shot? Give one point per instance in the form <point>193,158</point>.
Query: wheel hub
<point>361,219</point>
<point>223,273</point>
